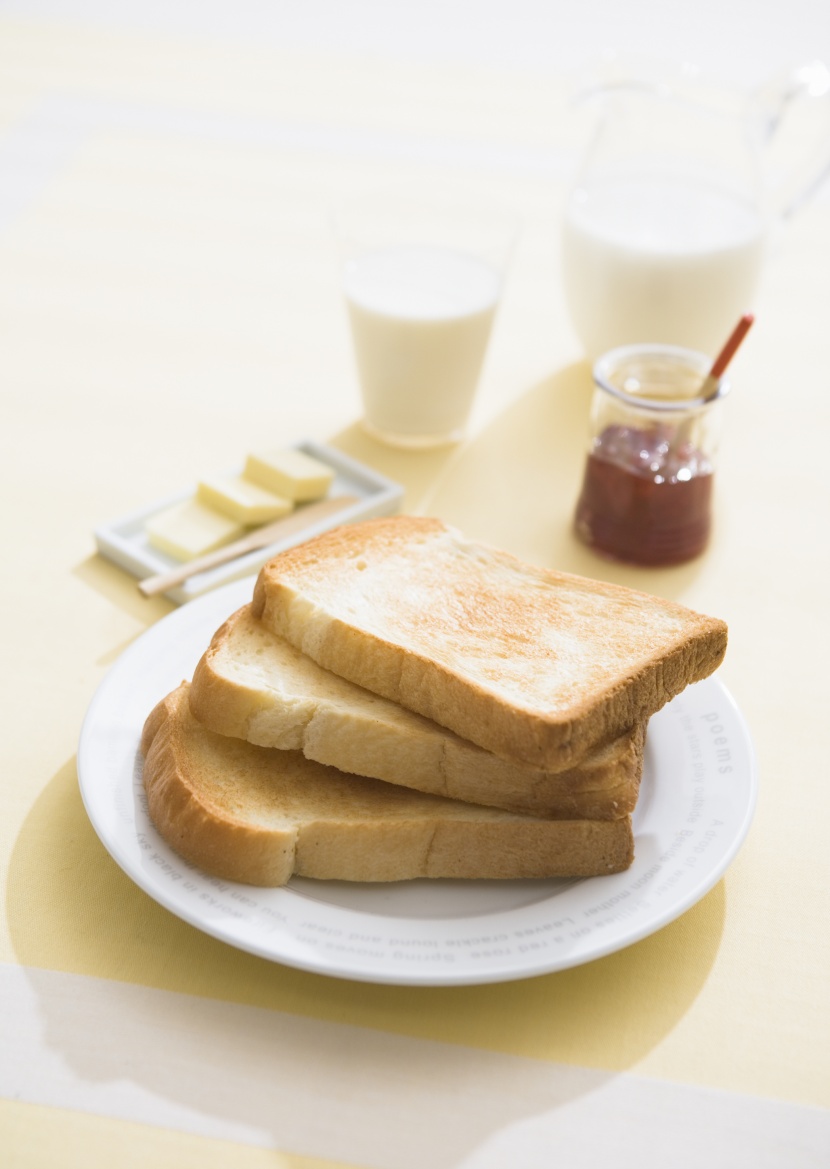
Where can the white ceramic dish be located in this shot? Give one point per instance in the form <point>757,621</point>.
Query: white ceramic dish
<point>124,541</point>
<point>697,799</point>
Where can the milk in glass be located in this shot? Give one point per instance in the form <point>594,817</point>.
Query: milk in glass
<point>421,318</point>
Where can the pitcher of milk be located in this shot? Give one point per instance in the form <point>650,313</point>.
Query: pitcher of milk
<point>666,227</point>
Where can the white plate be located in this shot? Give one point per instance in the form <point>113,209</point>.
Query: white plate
<point>124,541</point>
<point>696,803</point>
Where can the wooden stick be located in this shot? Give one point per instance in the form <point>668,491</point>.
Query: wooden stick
<point>728,352</point>
<point>303,517</point>
<point>710,384</point>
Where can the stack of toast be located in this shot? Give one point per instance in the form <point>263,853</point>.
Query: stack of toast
<point>400,702</point>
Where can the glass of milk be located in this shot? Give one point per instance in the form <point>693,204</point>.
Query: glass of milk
<point>665,229</point>
<point>422,282</point>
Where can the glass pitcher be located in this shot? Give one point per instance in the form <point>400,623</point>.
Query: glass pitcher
<point>666,227</point>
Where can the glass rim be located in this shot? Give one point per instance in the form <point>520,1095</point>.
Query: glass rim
<point>674,354</point>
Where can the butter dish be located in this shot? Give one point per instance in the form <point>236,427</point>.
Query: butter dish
<point>124,541</point>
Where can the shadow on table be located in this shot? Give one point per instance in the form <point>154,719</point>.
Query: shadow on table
<point>249,1047</point>
<point>118,587</point>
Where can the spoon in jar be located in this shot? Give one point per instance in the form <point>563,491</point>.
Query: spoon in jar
<point>710,387</point>
<point>711,383</point>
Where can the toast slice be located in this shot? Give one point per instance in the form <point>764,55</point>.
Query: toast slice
<point>256,815</point>
<point>253,685</point>
<point>534,665</point>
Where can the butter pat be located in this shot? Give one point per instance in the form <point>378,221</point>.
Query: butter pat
<point>191,529</point>
<point>291,473</point>
<point>243,500</point>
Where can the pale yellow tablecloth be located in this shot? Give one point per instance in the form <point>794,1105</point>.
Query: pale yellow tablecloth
<point>168,296</point>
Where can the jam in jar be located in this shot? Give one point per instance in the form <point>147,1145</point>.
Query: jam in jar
<point>646,495</point>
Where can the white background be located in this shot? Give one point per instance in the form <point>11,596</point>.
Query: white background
<point>742,40</point>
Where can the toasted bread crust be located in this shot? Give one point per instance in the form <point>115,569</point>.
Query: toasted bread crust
<point>250,684</point>
<point>533,665</point>
<point>197,827</point>
<point>251,814</point>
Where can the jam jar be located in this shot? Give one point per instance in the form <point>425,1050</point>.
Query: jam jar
<point>646,495</point>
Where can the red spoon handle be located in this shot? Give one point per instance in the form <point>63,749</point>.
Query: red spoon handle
<point>728,352</point>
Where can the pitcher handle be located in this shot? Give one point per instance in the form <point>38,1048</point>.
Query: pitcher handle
<point>805,87</point>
